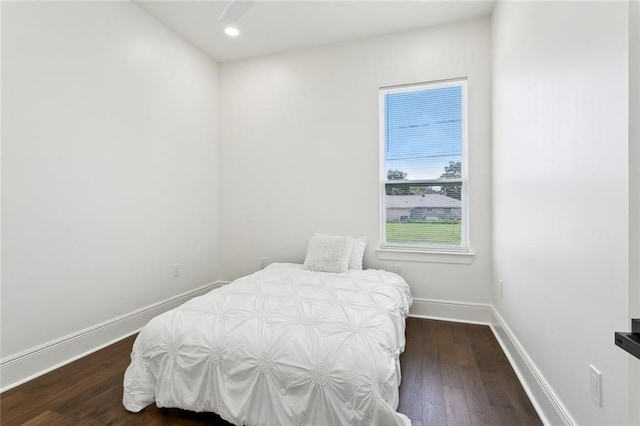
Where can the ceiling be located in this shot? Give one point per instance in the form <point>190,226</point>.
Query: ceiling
<point>277,26</point>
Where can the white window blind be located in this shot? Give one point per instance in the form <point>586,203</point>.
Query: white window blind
<point>423,139</point>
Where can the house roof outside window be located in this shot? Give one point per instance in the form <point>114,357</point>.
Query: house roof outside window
<point>426,200</point>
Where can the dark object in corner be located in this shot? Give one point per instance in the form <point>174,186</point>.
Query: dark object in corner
<point>630,342</point>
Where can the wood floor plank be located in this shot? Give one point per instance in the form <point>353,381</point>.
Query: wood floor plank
<point>46,418</point>
<point>496,393</point>
<point>111,374</point>
<point>434,409</point>
<point>61,392</point>
<point>452,374</point>
<point>456,406</point>
<point>71,403</point>
<point>12,404</point>
<point>481,412</point>
<point>465,357</point>
<point>459,333</point>
<point>520,403</point>
<point>487,359</point>
<point>508,416</point>
<point>411,386</point>
<point>104,408</point>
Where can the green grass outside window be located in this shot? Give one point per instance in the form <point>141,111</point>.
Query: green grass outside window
<point>436,233</point>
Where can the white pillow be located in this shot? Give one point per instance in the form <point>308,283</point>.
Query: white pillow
<point>328,253</point>
<point>359,244</point>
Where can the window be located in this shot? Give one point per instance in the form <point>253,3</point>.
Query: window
<point>423,132</point>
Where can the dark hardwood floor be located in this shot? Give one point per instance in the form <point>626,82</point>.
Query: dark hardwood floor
<point>452,374</point>
<point>457,374</point>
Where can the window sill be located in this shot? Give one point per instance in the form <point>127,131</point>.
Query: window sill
<point>425,256</point>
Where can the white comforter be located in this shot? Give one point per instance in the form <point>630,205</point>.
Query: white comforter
<point>283,346</point>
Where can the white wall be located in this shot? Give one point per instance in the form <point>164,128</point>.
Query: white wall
<point>634,198</point>
<point>109,167</point>
<point>561,193</point>
<point>299,139</point>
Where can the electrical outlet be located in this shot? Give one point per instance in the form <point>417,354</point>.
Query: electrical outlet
<point>596,385</point>
<point>500,286</point>
<point>176,270</point>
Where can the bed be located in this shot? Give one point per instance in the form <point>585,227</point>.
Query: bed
<point>283,346</point>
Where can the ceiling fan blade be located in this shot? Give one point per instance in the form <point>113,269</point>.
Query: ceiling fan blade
<point>234,10</point>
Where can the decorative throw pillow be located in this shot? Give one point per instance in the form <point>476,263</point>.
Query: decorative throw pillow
<point>328,253</point>
<point>359,244</point>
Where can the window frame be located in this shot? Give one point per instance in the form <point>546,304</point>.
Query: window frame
<point>439,249</point>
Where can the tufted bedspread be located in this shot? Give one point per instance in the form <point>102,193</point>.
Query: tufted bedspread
<point>283,346</point>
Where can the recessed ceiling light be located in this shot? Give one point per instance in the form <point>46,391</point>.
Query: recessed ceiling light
<point>232,31</point>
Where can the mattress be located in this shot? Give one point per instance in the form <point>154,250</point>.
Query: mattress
<point>283,346</point>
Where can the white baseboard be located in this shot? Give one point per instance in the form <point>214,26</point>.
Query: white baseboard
<point>474,313</point>
<point>547,404</point>
<point>544,400</point>
<point>34,362</point>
